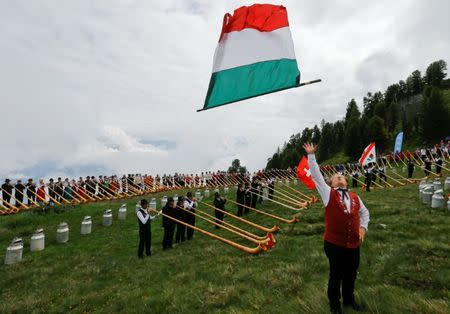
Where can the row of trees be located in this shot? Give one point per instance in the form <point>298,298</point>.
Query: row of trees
<point>415,106</point>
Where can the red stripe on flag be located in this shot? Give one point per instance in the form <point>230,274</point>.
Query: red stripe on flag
<point>262,17</point>
<point>366,152</point>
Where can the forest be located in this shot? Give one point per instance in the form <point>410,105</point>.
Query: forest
<point>419,106</point>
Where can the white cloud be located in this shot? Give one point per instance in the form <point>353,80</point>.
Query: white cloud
<point>112,86</point>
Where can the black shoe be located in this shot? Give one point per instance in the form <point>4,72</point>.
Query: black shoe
<point>355,306</point>
<point>140,256</point>
<point>336,310</point>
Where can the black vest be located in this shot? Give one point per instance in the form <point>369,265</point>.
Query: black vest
<point>146,226</point>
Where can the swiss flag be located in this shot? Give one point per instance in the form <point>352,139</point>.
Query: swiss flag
<point>304,174</point>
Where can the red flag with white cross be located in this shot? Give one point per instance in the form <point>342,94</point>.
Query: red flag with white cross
<point>304,174</point>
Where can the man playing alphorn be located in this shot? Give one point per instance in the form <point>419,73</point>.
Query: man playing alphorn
<point>346,222</point>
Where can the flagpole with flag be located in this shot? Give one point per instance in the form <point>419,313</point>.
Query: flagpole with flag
<point>369,155</point>
<point>255,56</point>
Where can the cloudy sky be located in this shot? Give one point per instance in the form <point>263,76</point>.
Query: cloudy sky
<point>102,87</point>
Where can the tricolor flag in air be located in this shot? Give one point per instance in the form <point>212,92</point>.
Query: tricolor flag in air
<point>369,155</point>
<point>255,55</point>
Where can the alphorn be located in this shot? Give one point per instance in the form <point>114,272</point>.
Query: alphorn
<point>249,238</point>
<point>284,205</point>
<point>7,211</point>
<point>28,199</point>
<point>289,221</point>
<point>291,194</point>
<point>197,210</point>
<point>15,199</point>
<point>248,222</point>
<point>238,246</point>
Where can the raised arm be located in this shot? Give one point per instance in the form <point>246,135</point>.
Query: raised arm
<point>322,187</point>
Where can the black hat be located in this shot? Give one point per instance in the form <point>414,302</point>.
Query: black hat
<point>144,202</point>
<point>189,194</point>
<point>170,199</point>
<point>7,180</point>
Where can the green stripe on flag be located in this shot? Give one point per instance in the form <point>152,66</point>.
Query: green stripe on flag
<point>251,80</point>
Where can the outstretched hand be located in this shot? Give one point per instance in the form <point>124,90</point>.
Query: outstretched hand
<point>310,148</point>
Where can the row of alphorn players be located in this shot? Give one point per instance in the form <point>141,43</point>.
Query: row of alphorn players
<point>90,189</point>
<point>29,194</point>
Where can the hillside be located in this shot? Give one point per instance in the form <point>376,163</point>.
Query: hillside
<point>404,265</point>
<point>418,106</point>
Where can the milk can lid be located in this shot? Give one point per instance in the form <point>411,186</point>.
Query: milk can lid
<point>87,217</point>
<point>63,224</point>
<point>17,241</point>
<point>40,230</point>
<point>108,211</point>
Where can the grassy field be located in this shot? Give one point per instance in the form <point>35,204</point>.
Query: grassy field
<point>405,267</point>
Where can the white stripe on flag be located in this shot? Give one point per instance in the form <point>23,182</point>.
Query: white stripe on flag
<point>250,46</point>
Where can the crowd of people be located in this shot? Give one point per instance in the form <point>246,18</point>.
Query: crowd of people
<point>54,192</point>
<point>179,214</point>
<point>424,158</point>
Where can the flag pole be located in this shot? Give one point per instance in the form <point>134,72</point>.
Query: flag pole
<point>278,90</point>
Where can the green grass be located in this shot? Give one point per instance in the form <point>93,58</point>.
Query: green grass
<point>404,267</point>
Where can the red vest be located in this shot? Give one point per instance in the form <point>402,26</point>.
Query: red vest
<point>342,228</point>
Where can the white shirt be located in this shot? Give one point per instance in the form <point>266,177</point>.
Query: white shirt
<point>144,218</point>
<point>324,191</point>
<point>189,204</point>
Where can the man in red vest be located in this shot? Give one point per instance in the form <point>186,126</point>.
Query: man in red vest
<point>346,222</point>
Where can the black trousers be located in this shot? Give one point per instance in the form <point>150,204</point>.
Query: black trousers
<point>240,210</point>
<point>180,235</point>
<point>254,201</point>
<point>248,203</point>
<point>219,217</point>
<point>368,182</point>
<point>145,240</point>
<point>19,198</point>
<point>410,173</point>
<point>189,231</point>
<point>31,197</point>
<point>271,188</point>
<point>344,265</point>
<point>6,200</point>
<point>168,236</point>
<point>354,183</point>
<point>382,177</point>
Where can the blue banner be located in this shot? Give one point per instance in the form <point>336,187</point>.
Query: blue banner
<point>398,143</point>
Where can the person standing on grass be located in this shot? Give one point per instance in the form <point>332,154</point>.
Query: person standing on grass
<point>180,214</point>
<point>248,198</point>
<point>354,178</point>
<point>219,202</point>
<point>438,162</point>
<point>168,224</point>
<point>410,169</point>
<point>427,168</point>
<point>145,231</point>
<point>7,189</point>
<point>367,177</point>
<point>190,204</point>
<point>18,192</point>
<point>31,191</point>
<point>346,223</point>
<point>240,199</point>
